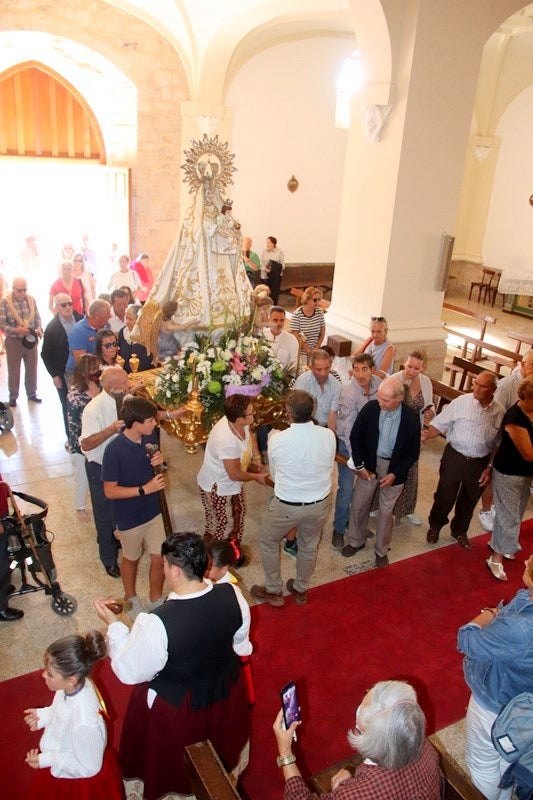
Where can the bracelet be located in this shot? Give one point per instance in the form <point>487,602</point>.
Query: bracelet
<point>359,468</point>
<point>285,761</point>
<point>489,609</point>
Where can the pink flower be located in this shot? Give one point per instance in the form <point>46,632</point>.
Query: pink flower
<point>238,365</point>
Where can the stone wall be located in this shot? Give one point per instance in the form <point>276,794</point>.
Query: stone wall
<point>153,65</point>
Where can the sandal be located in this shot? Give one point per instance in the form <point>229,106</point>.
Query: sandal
<point>496,569</point>
<point>508,556</point>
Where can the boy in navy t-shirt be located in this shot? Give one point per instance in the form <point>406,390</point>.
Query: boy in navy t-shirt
<point>132,487</point>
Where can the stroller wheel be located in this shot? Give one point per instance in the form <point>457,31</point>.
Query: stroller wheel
<point>64,604</point>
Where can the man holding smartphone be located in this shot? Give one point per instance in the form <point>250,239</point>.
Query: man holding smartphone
<point>301,462</point>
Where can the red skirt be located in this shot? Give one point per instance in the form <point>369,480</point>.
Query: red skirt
<point>153,739</point>
<point>106,785</point>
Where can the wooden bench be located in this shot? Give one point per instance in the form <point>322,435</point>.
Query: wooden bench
<point>456,784</point>
<point>520,339</point>
<point>467,371</point>
<point>299,276</point>
<point>485,319</point>
<point>297,293</point>
<point>210,781</point>
<point>443,394</point>
<point>499,356</point>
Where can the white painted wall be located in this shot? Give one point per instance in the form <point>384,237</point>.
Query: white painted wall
<point>508,241</point>
<point>284,102</point>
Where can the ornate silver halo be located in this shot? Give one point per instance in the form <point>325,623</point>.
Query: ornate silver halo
<point>210,159</point>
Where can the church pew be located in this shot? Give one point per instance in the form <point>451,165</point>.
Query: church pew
<point>456,785</point>
<point>466,370</point>
<point>483,351</point>
<point>210,781</point>
<point>299,276</point>
<point>485,319</point>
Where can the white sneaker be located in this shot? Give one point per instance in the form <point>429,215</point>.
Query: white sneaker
<point>374,513</point>
<point>487,519</point>
<point>414,519</point>
<point>152,605</point>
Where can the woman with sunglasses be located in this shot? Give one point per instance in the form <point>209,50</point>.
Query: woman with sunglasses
<point>379,347</point>
<point>106,347</point>
<point>85,385</point>
<point>67,284</point>
<point>308,324</point>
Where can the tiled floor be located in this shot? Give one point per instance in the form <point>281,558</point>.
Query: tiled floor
<point>33,460</point>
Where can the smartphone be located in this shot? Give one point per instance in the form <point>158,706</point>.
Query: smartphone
<point>289,704</point>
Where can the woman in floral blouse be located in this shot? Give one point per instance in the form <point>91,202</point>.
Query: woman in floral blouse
<point>85,386</point>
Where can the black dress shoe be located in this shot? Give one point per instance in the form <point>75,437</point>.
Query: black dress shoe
<point>12,403</point>
<point>35,399</point>
<point>463,540</point>
<point>113,571</point>
<point>432,536</point>
<point>11,614</point>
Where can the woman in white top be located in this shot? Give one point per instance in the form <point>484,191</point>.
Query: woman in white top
<point>418,396</point>
<point>379,347</point>
<point>229,452</point>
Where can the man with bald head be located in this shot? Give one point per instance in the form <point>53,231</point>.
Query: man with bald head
<point>21,323</point>
<point>55,349</point>
<point>471,423</point>
<point>385,443</point>
<point>99,426</point>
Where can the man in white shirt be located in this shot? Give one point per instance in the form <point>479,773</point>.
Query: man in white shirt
<point>301,462</point>
<point>99,426</point>
<point>284,344</point>
<point>471,424</point>
<point>119,304</point>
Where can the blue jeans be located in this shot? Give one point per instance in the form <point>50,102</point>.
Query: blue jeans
<point>344,492</point>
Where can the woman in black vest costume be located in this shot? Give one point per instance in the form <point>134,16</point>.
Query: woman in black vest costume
<point>184,658</point>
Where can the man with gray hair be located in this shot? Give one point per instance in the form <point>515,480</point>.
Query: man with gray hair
<point>389,734</point>
<point>82,338</point>
<point>471,423</point>
<point>21,323</point>
<point>385,443</point>
<point>55,349</point>
<point>321,385</point>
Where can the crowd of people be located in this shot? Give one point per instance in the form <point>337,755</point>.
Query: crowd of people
<point>184,656</point>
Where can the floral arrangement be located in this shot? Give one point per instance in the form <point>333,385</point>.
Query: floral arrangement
<point>236,362</point>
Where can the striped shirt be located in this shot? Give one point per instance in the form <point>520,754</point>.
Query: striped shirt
<point>470,429</point>
<point>310,327</point>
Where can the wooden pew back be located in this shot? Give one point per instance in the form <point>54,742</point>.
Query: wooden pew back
<point>210,781</point>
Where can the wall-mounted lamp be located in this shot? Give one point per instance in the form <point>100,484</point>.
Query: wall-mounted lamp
<point>292,184</point>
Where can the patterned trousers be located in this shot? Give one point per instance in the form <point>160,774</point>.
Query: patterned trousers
<point>217,520</point>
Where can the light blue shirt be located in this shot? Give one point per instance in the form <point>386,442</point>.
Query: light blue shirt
<point>326,394</point>
<point>389,423</point>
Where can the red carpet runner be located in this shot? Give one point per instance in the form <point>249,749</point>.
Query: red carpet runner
<point>399,622</point>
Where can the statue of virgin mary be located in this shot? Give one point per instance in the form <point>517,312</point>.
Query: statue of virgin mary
<point>204,272</point>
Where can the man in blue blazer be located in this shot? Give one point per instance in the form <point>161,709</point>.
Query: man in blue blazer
<point>385,443</point>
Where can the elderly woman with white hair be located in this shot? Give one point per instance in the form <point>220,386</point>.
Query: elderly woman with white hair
<point>389,734</point>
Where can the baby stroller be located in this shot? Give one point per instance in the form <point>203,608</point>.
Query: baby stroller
<point>29,548</point>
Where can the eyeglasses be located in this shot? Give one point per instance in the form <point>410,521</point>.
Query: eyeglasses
<point>65,305</point>
<point>109,345</point>
<point>315,299</point>
<point>95,376</point>
<point>20,290</point>
<point>378,319</point>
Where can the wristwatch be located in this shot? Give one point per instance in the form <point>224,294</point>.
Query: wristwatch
<point>141,491</point>
<point>284,761</point>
